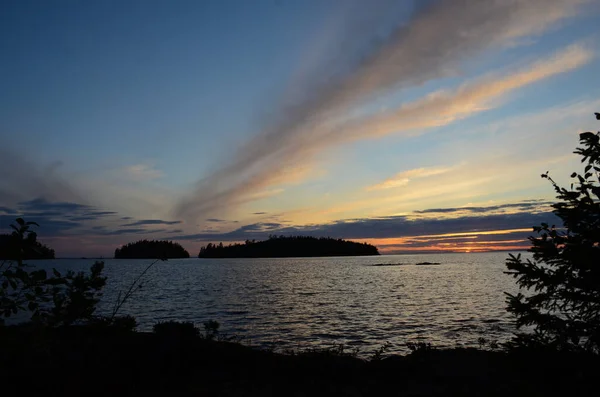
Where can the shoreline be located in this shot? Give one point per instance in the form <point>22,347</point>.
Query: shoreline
<point>180,363</point>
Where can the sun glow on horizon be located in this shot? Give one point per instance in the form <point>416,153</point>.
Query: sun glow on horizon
<point>450,242</point>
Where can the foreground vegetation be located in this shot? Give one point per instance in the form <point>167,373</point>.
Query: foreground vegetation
<point>287,247</point>
<point>563,279</point>
<point>176,360</point>
<point>11,249</point>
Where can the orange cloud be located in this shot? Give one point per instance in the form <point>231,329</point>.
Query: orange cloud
<point>443,107</point>
<point>450,242</point>
<point>429,46</point>
<point>404,177</point>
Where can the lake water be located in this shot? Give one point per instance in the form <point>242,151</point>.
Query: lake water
<point>306,302</point>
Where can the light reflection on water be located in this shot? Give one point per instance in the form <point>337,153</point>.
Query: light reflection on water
<point>302,302</point>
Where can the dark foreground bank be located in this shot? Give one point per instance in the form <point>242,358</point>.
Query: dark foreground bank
<point>78,361</point>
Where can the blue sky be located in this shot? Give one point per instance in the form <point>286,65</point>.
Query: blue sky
<point>289,116</point>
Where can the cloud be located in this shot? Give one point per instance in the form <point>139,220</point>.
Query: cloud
<point>60,216</point>
<point>40,207</point>
<point>443,107</point>
<point>74,219</point>
<point>215,220</point>
<point>143,172</point>
<point>20,179</point>
<point>151,222</point>
<point>41,204</point>
<point>56,217</point>
<point>500,237</point>
<point>84,218</point>
<point>402,178</point>
<point>48,226</point>
<point>258,213</point>
<point>24,176</point>
<point>485,220</point>
<point>504,240</point>
<point>119,232</point>
<point>525,205</point>
<point>174,231</point>
<point>433,44</point>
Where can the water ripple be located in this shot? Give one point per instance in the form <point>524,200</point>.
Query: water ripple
<point>296,303</point>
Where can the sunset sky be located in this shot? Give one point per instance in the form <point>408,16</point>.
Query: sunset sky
<point>414,125</point>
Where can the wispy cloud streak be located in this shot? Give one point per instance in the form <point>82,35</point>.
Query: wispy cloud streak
<point>433,44</point>
<point>404,177</point>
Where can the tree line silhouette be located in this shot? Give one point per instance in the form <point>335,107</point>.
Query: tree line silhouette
<point>292,246</point>
<point>11,248</point>
<point>151,249</point>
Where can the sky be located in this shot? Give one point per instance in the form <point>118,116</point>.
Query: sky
<point>417,126</point>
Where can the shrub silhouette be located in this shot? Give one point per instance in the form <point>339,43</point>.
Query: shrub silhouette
<point>176,329</point>
<point>54,301</point>
<point>564,276</point>
<point>211,329</point>
<point>12,247</point>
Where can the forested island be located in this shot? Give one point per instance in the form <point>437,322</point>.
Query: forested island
<point>286,247</point>
<point>29,248</point>
<point>151,249</point>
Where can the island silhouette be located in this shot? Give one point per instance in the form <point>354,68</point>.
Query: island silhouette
<point>151,249</point>
<point>288,246</point>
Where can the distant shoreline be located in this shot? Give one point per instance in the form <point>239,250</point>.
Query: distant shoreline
<point>451,252</point>
<point>289,247</point>
<point>289,257</point>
